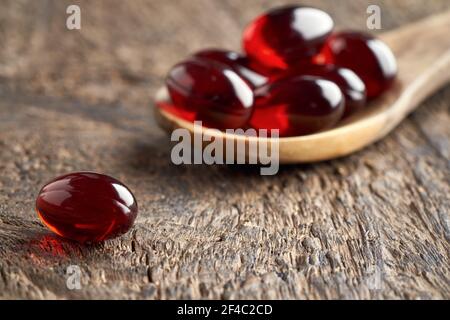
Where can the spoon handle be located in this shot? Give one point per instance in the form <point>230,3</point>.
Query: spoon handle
<point>423,54</point>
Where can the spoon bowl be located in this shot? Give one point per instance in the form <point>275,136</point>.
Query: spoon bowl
<point>422,50</point>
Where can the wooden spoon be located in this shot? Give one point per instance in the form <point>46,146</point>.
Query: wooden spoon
<point>422,50</point>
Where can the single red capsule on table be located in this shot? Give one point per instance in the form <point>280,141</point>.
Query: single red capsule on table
<point>86,207</point>
<point>239,63</point>
<point>298,106</point>
<point>219,97</point>
<point>351,85</point>
<point>370,58</point>
<point>286,36</point>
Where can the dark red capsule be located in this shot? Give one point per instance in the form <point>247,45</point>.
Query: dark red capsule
<point>287,36</point>
<point>370,58</point>
<point>298,106</point>
<point>351,85</point>
<point>239,63</point>
<point>180,112</point>
<point>86,207</point>
<point>215,92</point>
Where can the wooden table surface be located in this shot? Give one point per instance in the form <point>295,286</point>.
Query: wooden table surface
<point>372,225</point>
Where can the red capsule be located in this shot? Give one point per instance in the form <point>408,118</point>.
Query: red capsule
<point>239,63</point>
<point>370,58</point>
<point>298,106</point>
<point>287,36</point>
<point>86,207</point>
<point>215,92</point>
<point>180,112</point>
<point>351,85</point>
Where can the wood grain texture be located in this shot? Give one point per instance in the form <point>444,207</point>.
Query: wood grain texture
<point>372,225</point>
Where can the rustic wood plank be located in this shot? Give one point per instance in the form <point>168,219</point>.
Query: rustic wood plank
<point>372,225</point>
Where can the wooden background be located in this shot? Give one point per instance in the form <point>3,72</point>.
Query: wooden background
<point>372,225</point>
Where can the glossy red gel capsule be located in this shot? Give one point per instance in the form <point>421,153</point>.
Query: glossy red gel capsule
<point>351,85</point>
<point>239,63</point>
<point>370,58</point>
<point>86,207</point>
<point>298,106</point>
<point>287,36</point>
<point>214,91</point>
